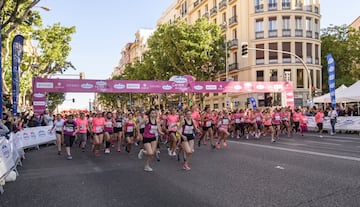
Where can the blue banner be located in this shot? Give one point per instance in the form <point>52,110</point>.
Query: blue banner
<point>253,102</point>
<point>17,54</point>
<point>331,80</point>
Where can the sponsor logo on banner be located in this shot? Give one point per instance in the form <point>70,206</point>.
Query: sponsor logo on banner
<point>260,87</point>
<point>39,103</point>
<point>198,87</point>
<point>45,85</point>
<point>39,95</point>
<point>247,85</point>
<point>179,79</point>
<point>101,83</point>
<point>42,133</point>
<point>26,136</point>
<point>167,87</point>
<point>119,86</point>
<point>133,86</point>
<point>59,85</point>
<point>5,151</point>
<point>32,135</point>
<point>278,87</point>
<point>211,87</point>
<point>237,87</point>
<point>87,85</point>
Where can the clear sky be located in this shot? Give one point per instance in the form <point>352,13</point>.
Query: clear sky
<point>104,27</point>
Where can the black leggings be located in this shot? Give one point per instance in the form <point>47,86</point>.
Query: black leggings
<point>69,140</point>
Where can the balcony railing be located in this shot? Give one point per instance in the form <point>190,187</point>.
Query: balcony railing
<point>317,61</point>
<point>233,66</point>
<point>273,33</point>
<point>316,35</point>
<point>196,3</point>
<point>272,6</point>
<point>223,27</point>
<point>273,61</point>
<point>308,8</point>
<point>259,8</point>
<point>298,32</point>
<point>206,14</point>
<point>233,20</point>
<point>298,6</point>
<point>309,34</point>
<point>286,60</point>
<point>231,1</point>
<point>286,32</point>
<point>260,61</point>
<point>233,44</point>
<point>259,35</point>
<point>213,11</point>
<point>309,60</point>
<point>222,4</point>
<point>286,5</point>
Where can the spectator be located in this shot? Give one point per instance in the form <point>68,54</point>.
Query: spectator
<point>333,117</point>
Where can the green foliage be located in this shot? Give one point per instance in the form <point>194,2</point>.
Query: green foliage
<point>181,49</point>
<point>56,99</point>
<point>343,43</point>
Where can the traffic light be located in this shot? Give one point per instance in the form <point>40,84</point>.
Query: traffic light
<point>73,100</point>
<point>244,49</point>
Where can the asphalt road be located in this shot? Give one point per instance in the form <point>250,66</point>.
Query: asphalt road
<point>299,171</point>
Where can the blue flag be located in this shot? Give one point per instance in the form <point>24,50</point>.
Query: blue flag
<point>17,54</point>
<point>253,102</point>
<point>331,80</point>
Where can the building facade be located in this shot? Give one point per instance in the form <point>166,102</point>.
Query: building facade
<point>284,25</point>
<point>356,24</point>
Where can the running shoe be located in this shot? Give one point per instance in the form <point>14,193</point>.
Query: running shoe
<point>217,145</point>
<point>141,154</point>
<point>204,142</point>
<point>273,140</point>
<point>148,168</point>
<point>83,149</point>
<point>107,151</point>
<point>59,153</point>
<point>69,157</point>
<point>213,146</point>
<point>247,136</point>
<point>225,144</point>
<point>186,167</point>
<point>199,142</point>
<point>97,153</point>
<point>119,149</point>
<point>169,152</point>
<point>157,156</point>
<point>173,154</point>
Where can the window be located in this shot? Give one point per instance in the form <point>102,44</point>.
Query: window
<point>235,77</point>
<point>286,46</point>
<point>272,23</point>
<point>184,8</point>
<point>287,75</point>
<point>300,78</point>
<point>214,3</point>
<point>258,6</point>
<point>318,79</point>
<point>259,54</point>
<point>206,8</point>
<point>259,25</point>
<point>312,77</point>
<point>216,106</point>
<point>273,56</point>
<point>224,17</point>
<point>286,4</point>
<point>199,14</point>
<point>316,28</point>
<point>273,75</point>
<point>260,75</point>
<point>317,54</point>
<point>234,10</point>
<point>298,50</point>
<point>215,21</point>
<point>308,53</point>
<point>234,33</point>
<point>286,22</point>
<point>298,22</point>
<point>308,24</point>
<point>272,5</point>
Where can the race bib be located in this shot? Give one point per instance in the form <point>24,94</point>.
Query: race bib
<point>258,118</point>
<point>108,124</point>
<point>58,128</point>
<point>130,129</point>
<point>237,121</point>
<point>277,118</point>
<point>225,121</point>
<point>69,129</point>
<point>118,124</point>
<point>242,119</point>
<point>188,130</point>
<point>98,129</point>
<point>83,127</point>
<point>153,129</point>
<point>208,124</point>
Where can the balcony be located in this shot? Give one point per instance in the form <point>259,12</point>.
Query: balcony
<point>286,32</point>
<point>231,1</point>
<point>317,60</point>
<point>233,20</point>
<point>259,8</point>
<point>213,11</point>
<point>273,33</point>
<point>233,44</point>
<point>298,6</point>
<point>272,7</point>
<point>286,5</point>
<point>260,61</point>
<point>316,35</point>
<point>309,34</point>
<point>316,10</point>
<point>298,32</point>
<point>233,66</point>
<point>223,27</point>
<point>222,5</point>
<point>308,8</point>
<point>196,3</point>
<point>286,60</point>
<point>206,15</point>
<point>309,60</point>
<point>273,61</point>
<point>259,35</point>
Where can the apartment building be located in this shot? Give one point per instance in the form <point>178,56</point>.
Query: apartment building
<point>285,25</point>
<point>356,24</point>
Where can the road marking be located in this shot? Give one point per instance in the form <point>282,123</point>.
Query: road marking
<point>293,144</point>
<point>324,143</point>
<point>300,151</point>
<point>280,168</point>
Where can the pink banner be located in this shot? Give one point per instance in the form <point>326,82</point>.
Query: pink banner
<point>177,84</point>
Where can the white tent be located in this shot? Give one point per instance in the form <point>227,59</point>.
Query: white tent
<point>326,97</point>
<point>351,94</point>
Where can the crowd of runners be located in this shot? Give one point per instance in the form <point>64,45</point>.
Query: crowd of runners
<point>109,132</point>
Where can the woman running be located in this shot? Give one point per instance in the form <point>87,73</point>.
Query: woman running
<point>108,131</point>
<point>259,122</point>
<point>319,118</point>
<point>223,125</point>
<point>172,120</point>
<point>286,118</point>
<point>187,131</point>
<point>58,126</point>
<point>268,125</point>
<point>276,121</point>
<point>70,130</point>
<point>98,124</point>
<point>129,131</point>
<point>207,121</point>
<point>296,119</point>
<point>83,125</point>
<point>236,119</point>
<point>152,130</point>
<point>118,130</point>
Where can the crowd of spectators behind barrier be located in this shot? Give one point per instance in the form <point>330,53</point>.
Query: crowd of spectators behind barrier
<point>26,119</point>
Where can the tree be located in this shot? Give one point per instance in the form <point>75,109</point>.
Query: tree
<point>55,100</point>
<point>343,43</point>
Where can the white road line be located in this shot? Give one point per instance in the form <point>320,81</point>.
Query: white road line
<point>326,143</point>
<point>300,151</point>
<point>293,144</point>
